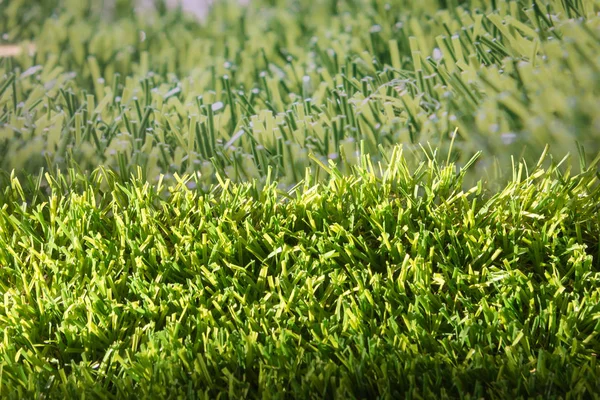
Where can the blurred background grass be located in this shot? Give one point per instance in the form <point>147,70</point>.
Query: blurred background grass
<point>248,88</point>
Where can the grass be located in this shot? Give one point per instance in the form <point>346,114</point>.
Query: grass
<point>240,93</point>
<point>312,200</point>
<point>393,284</point>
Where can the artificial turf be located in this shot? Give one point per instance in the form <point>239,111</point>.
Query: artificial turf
<point>300,200</point>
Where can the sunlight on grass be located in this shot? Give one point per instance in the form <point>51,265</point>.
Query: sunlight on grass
<point>299,199</point>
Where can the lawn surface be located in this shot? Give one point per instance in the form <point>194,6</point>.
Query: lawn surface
<point>300,200</point>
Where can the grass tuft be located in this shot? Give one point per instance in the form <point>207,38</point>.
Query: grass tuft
<point>384,282</point>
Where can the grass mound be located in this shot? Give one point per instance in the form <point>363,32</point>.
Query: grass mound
<point>386,284</point>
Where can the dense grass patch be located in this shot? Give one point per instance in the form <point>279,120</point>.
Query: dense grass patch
<point>384,282</point>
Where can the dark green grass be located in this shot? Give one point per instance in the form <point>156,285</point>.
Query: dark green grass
<point>384,283</point>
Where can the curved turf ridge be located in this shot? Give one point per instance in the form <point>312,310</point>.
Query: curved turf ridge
<point>385,282</point>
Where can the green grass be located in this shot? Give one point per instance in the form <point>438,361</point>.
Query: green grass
<point>301,199</point>
<point>385,282</point>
